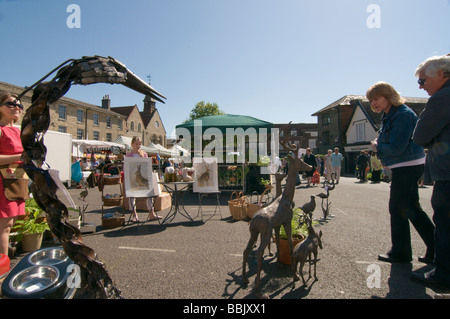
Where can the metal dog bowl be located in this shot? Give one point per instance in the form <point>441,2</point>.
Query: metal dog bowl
<point>34,279</point>
<point>48,256</point>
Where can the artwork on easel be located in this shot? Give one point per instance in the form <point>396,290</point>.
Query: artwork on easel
<point>206,175</point>
<point>139,179</point>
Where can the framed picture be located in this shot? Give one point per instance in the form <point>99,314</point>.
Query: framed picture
<point>206,175</point>
<point>139,179</point>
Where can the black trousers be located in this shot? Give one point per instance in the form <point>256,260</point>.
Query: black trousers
<point>440,202</point>
<point>404,207</point>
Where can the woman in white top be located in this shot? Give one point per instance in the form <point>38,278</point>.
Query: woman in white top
<point>137,152</point>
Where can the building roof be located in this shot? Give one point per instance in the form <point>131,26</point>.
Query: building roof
<point>345,100</point>
<point>124,110</point>
<point>351,99</point>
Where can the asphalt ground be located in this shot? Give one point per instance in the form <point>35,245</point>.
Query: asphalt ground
<point>201,260</point>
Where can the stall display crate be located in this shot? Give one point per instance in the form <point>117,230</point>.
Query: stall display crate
<point>116,200</point>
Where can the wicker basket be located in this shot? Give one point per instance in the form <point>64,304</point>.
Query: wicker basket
<point>113,222</point>
<point>238,206</point>
<point>252,208</point>
<point>112,201</point>
<point>111,180</point>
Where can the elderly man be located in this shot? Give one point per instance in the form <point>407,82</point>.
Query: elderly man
<point>433,132</point>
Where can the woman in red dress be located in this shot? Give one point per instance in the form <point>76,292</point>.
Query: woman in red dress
<point>10,151</point>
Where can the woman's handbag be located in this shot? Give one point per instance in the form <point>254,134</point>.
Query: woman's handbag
<point>15,181</point>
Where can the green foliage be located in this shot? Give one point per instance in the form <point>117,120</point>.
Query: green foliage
<point>263,160</point>
<point>204,109</point>
<point>33,223</point>
<point>298,231</point>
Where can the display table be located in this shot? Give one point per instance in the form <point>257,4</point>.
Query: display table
<point>176,191</point>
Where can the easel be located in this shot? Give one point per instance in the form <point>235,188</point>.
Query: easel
<point>200,210</point>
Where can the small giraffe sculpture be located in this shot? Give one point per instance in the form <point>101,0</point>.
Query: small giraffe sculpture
<point>272,216</point>
<point>306,249</point>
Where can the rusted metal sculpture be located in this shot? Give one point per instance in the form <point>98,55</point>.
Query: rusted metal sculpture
<point>328,186</point>
<point>304,250</point>
<point>272,216</point>
<point>96,281</point>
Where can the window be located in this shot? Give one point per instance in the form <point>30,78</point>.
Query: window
<point>96,119</point>
<point>360,132</point>
<point>108,137</point>
<point>156,124</point>
<point>119,124</point>
<point>80,116</point>
<point>326,119</point>
<point>108,121</point>
<point>79,133</point>
<point>96,135</point>
<point>132,126</point>
<point>62,129</point>
<point>139,127</point>
<point>294,132</point>
<point>62,112</point>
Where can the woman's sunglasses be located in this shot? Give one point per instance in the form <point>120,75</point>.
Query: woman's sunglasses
<point>12,105</point>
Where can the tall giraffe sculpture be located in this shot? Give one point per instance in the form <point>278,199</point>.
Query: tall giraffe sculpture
<point>272,216</point>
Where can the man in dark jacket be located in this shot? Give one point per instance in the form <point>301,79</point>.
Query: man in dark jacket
<point>433,132</point>
<point>363,162</point>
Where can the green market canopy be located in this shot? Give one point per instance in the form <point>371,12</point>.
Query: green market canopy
<point>223,122</point>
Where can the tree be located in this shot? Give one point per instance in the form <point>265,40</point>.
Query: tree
<point>204,109</point>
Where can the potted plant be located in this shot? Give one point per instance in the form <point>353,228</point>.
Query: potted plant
<point>31,229</point>
<point>299,233</point>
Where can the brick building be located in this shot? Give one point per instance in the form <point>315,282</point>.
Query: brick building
<point>303,135</point>
<point>104,123</point>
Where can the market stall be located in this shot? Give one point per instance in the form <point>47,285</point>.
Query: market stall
<point>125,141</point>
<point>249,138</point>
<point>81,147</point>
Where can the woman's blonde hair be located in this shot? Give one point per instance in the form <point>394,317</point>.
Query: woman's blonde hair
<point>383,89</point>
<point>5,96</point>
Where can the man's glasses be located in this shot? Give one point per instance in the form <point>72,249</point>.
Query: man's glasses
<point>12,105</point>
<point>421,81</point>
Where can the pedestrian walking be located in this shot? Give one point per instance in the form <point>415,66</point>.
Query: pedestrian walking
<point>336,164</point>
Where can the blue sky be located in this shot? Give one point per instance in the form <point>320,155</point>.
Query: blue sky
<point>279,61</point>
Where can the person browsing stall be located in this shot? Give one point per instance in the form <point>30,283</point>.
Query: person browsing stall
<point>10,152</point>
<point>406,159</point>
<point>137,152</point>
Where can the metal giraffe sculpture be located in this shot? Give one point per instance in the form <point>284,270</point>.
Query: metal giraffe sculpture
<point>96,281</point>
<point>271,217</point>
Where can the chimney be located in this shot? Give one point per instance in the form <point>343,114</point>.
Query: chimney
<point>149,105</point>
<point>106,102</point>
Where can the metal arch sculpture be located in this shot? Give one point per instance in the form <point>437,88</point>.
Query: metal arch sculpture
<point>95,279</point>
